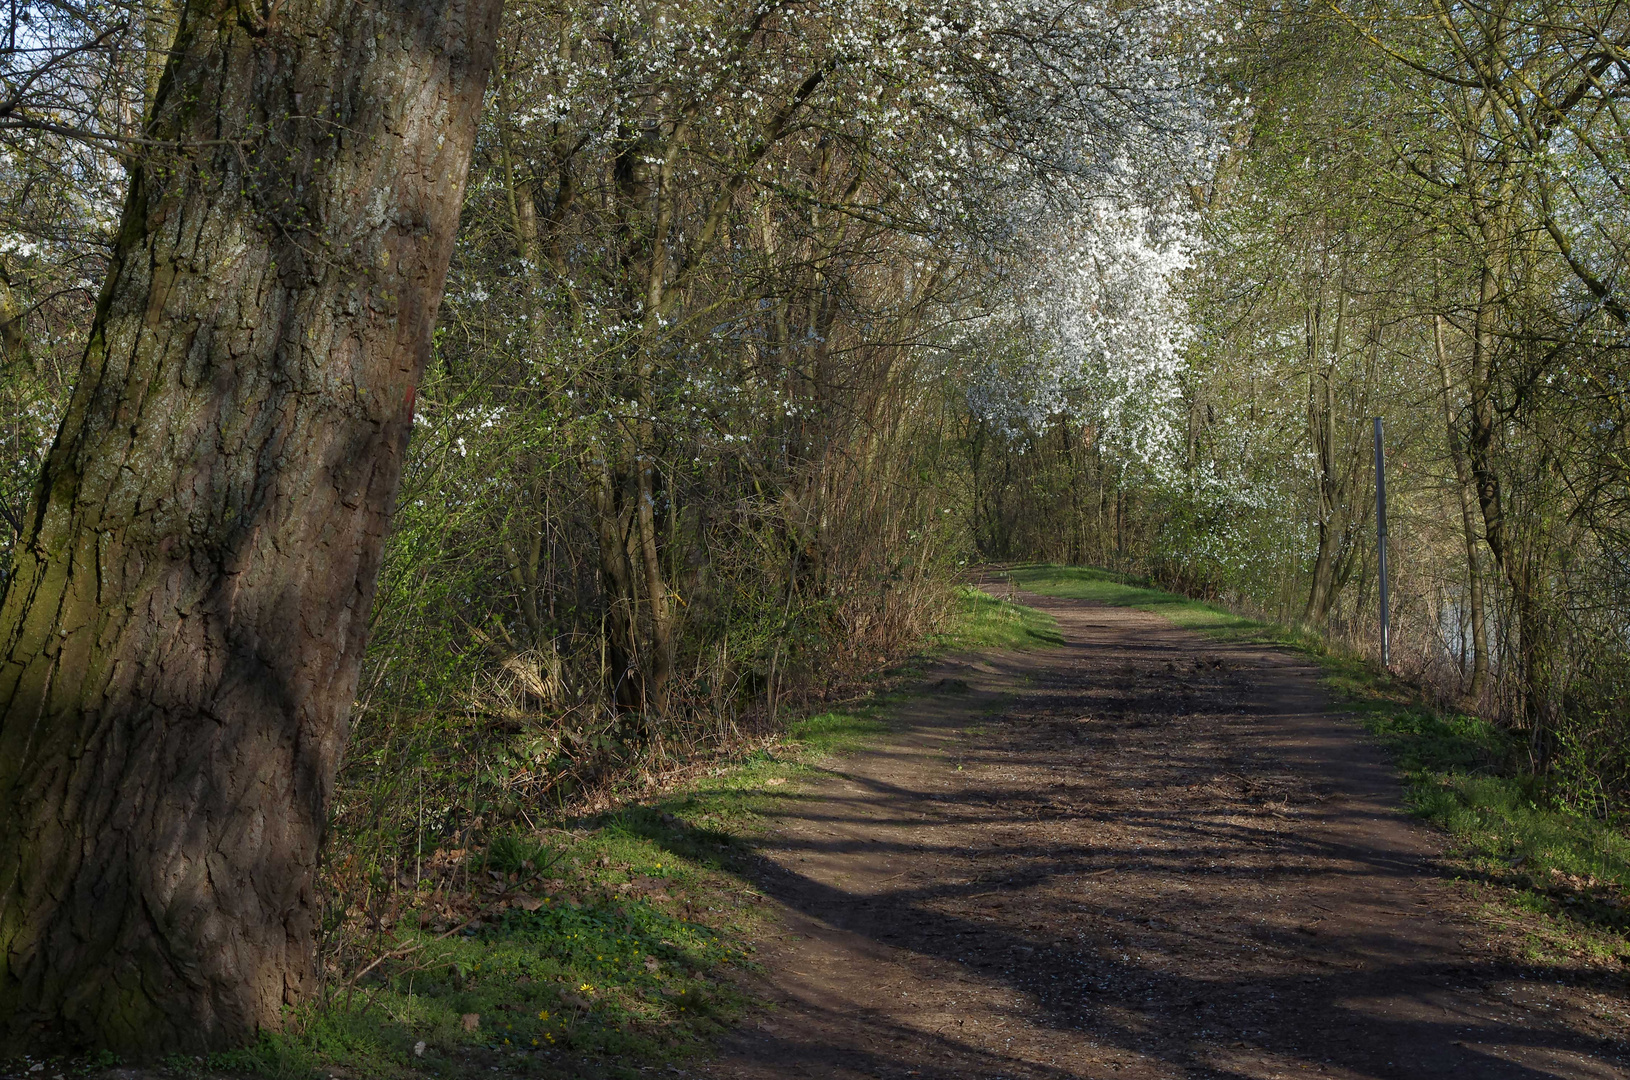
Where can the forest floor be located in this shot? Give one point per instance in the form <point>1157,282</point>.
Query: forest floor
<point>1144,853</point>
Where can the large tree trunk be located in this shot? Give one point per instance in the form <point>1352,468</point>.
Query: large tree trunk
<point>181,633</point>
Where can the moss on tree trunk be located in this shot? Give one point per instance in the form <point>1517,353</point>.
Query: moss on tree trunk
<point>180,637</point>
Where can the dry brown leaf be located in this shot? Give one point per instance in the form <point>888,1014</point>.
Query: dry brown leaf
<point>472,1021</point>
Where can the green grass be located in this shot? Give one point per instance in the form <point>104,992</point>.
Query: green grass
<point>1107,587</point>
<point>1464,774</point>
<point>644,911</point>
<point>622,960</point>
<point>982,622</point>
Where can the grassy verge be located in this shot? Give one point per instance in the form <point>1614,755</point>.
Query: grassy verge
<point>1107,587</point>
<point>981,621</point>
<point>589,948</point>
<point>1463,774</point>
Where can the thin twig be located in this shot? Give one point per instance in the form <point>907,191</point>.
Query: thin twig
<point>406,950</point>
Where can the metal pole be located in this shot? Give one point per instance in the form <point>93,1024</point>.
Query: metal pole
<point>1381,544</point>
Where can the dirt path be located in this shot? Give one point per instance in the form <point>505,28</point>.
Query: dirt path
<point>1140,855</point>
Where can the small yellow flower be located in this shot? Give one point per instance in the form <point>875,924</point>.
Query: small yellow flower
<point>585,988</point>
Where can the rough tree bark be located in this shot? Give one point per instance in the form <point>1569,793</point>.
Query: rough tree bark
<point>13,342</point>
<point>181,633</point>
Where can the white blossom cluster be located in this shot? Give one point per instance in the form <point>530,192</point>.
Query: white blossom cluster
<point>1104,327</point>
<point>1038,144</point>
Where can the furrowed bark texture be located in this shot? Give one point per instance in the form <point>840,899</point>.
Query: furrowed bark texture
<point>181,633</point>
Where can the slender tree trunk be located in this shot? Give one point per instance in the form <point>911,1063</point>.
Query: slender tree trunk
<point>617,585</point>
<point>523,212</point>
<point>1468,525</point>
<point>1480,453</point>
<point>13,343</point>
<point>1120,529</point>
<point>180,638</point>
<point>1482,430</point>
<point>529,522</point>
<point>1513,563</point>
<point>1329,491</point>
<point>1331,526</point>
<point>525,562</point>
<point>658,602</point>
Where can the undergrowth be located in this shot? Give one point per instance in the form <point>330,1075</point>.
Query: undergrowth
<point>593,945</point>
<point>1464,774</point>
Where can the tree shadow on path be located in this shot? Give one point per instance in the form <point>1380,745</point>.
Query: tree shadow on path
<point>1164,858</point>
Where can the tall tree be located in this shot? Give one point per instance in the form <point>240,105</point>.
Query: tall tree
<point>181,630</point>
